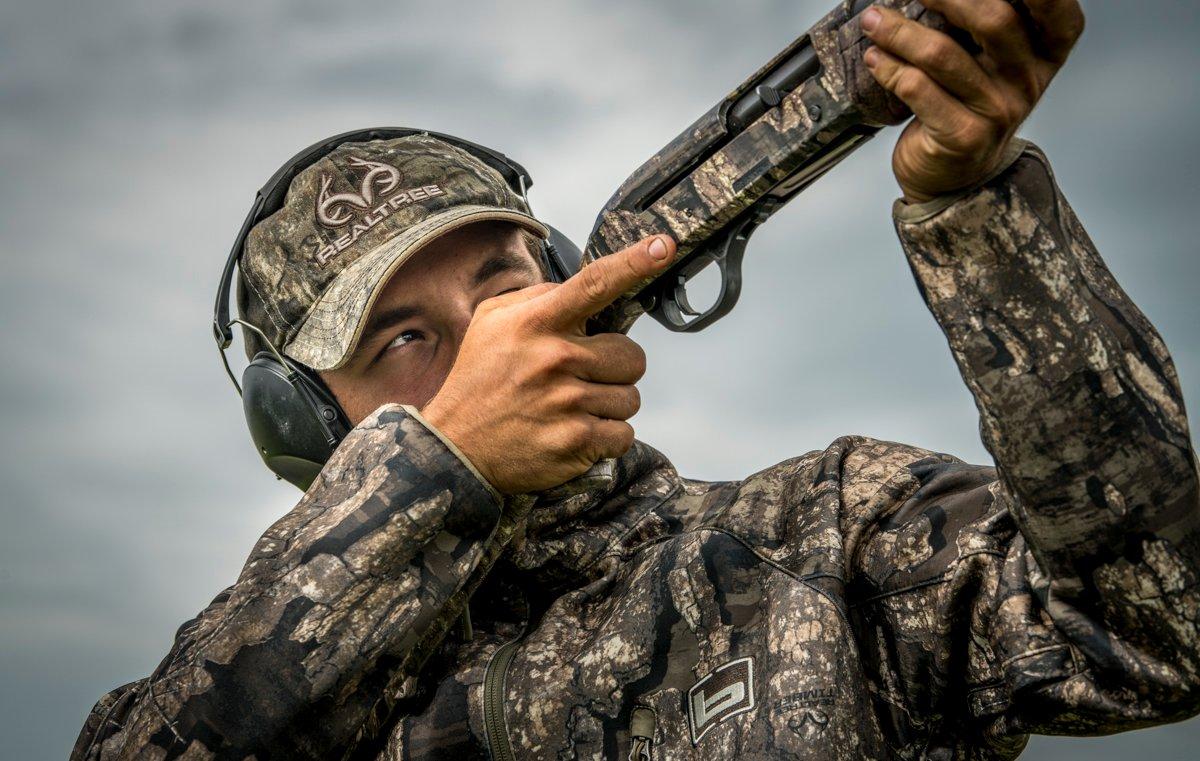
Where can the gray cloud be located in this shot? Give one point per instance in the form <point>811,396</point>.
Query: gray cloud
<point>135,132</point>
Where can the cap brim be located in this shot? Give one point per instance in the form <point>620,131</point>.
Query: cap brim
<point>334,325</point>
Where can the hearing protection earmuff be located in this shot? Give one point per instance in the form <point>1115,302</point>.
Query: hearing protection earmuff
<point>294,420</point>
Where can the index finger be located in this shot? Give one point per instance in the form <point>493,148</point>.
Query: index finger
<point>600,283</point>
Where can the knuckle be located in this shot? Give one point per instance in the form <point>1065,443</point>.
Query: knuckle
<point>526,376</point>
<point>625,438</point>
<point>615,441</point>
<point>891,74</point>
<point>593,282</point>
<point>638,360</point>
<point>634,400</point>
<point>891,31</point>
<point>540,319</point>
<point>576,435</point>
<point>997,19</point>
<point>1030,87</point>
<point>909,83</point>
<point>939,54</point>
<point>976,135</point>
<point>1077,23</point>
<point>632,355</point>
<point>632,261</point>
<point>487,306</point>
<point>570,397</point>
<point>582,435</point>
<point>1011,115</point>
<point>540,289</point>
<point>558,355</point>
<point>997,108</point>
<point>970,135</point>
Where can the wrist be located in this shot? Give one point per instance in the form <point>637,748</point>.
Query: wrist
<point>957,177</point>
<point>923,205</point>
<point>914,197</point>
<point>434,417</point>
<point>953,185</point>
<point>434,414</point>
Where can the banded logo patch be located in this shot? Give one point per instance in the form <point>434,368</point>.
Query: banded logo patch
<point>727,691</point>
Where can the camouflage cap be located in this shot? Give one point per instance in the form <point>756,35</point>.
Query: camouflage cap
<point>311,271</point>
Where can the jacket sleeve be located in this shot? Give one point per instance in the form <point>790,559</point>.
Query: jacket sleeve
<point>337,604</point>
<point>1058,592</point>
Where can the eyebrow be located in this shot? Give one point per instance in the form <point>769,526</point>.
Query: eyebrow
<point>505,261</point>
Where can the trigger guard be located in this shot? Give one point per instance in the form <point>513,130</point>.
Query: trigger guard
<point>671,306</point>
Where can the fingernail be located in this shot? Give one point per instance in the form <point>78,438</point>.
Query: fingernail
<point>658,249</point>
<point>871,19</point>
<point>871,57</point>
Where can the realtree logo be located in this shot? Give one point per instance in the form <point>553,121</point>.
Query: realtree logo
<point>339,209</point>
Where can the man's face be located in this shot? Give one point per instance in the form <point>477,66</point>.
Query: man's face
<point>415,328</point>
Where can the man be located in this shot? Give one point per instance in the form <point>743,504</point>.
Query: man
<point>871,600</point>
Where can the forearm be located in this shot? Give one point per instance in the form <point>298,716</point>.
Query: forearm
<point>1081,409</point>
<point>1079,401</point>
<point>333,608</point>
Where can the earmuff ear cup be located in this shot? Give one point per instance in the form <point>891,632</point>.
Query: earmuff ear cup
<point>564,256</point>
<point>294,421</point>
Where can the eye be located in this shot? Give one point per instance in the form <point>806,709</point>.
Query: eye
<point>405,337</point>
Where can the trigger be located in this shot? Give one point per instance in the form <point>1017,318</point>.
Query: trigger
<point>681,299</point>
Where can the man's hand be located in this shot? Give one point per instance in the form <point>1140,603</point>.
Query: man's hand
<point>532,400</point>
<point>967,106</point>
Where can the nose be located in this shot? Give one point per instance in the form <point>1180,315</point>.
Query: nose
<point>457,322</point>
<point>453,320</point>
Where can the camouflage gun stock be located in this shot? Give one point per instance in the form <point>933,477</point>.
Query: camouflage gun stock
<point>709,188</point>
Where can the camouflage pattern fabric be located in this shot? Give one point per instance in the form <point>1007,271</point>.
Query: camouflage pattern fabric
<point>871,600</point>
<point>311,270</point>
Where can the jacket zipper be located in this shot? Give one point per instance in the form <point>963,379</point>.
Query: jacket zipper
<point>641,733</point>
<point>493,702</point>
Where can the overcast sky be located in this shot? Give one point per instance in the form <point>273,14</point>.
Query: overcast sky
<point>133,134</point>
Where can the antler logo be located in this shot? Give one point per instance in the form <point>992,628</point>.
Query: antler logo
<point>336,209</point>
<point>376,200</point>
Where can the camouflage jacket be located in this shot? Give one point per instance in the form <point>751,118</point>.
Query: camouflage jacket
<point>870,600</point>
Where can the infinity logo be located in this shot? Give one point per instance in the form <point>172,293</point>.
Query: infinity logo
<point>335,210</point>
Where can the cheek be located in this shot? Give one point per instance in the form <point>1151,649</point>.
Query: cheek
<point>360,396</point>
<point>358,402</point>
<point>363,395</point>
<point>420,390</point>
<point>405,387</point>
